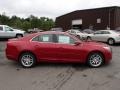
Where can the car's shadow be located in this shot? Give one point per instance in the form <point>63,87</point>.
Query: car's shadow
<point>3,39</point>
<point>75,66</point>
<point>117,44</point>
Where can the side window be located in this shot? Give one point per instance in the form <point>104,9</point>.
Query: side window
<point>72,31</point>
<point>105,32</point>
<point>43,38</point>
<point>1,28</point>
<point>35,38</point>
<point>8,29</point>
<point>65,39</point>
<point>69,31</point>
<point>98,32</point>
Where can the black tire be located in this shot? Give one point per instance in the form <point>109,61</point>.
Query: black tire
<point>111,41</point>
<point>89,38</point>
<point>95,59</point>
<point>27,60</point>
<point>19,35</point>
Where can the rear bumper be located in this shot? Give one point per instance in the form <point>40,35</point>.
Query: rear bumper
<point>11,55</point>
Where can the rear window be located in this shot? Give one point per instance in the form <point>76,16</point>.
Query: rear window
<point>43,38</point>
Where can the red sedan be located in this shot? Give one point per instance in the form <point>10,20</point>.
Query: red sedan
<point>54,46</point>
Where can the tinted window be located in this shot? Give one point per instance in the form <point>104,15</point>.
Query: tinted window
<point>43,38</point>
<point>69,31</point>
<point>72,31</point>
<point>1,28</point>
<point>8,29</point>
<point>65,39</point>
<point>105,32</point>
<point>98,32</point>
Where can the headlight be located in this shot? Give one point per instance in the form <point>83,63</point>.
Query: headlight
<point>108,48</point>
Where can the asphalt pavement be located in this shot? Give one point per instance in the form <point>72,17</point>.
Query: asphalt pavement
<point>49,76</point>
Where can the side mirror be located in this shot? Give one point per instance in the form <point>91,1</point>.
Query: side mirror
<point>11,30</point>
<point>77,43</point>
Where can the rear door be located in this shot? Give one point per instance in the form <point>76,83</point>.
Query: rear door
<point>45,47</point>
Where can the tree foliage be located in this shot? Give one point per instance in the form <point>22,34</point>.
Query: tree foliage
<point>31,22</point>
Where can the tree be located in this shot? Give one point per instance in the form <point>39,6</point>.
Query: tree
<point>4,19</point>
<point>27,23</point>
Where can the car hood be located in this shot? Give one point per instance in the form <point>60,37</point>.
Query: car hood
<point>18,30</point>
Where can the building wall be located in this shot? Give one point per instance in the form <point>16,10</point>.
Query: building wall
<point>89,17</point>
<point>117,18</point>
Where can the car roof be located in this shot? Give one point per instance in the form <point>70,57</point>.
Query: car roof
<point>3,25</point>
<point>106,30</point>
<point>52,32</point>
<point>73,29</point>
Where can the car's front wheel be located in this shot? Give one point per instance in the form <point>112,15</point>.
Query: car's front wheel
<point>27,60</point>
<point>89,38</point>
<point>111,41</point>
<point>95,59</point>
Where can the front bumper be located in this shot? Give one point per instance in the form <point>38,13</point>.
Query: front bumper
<point>108,56</point>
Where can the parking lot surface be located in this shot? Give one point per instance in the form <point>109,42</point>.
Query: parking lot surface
<point>49,76</point>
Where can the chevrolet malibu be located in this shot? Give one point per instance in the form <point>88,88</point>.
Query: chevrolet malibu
<point>109,36</point>
<point>59,47</point>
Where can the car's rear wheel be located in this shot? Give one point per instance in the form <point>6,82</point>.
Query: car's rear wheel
<point>27,60</point>
<point>19,35</point>
<point>111,41</point>
<point>95,60</point>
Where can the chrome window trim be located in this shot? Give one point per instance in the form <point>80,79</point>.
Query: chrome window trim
<point>33,38</point>
<point>51,42</point>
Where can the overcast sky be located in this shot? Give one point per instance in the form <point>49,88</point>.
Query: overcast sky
<point>50,8</point>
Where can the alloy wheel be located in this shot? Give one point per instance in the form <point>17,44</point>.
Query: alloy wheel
<point>111,41</point>
<point>95,60</point>
<point>27,60</point>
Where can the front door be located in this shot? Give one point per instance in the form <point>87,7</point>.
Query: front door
<point>105,36</point>
<point>9,32</point>
<point>97,36</point>
<point>68,51</point>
